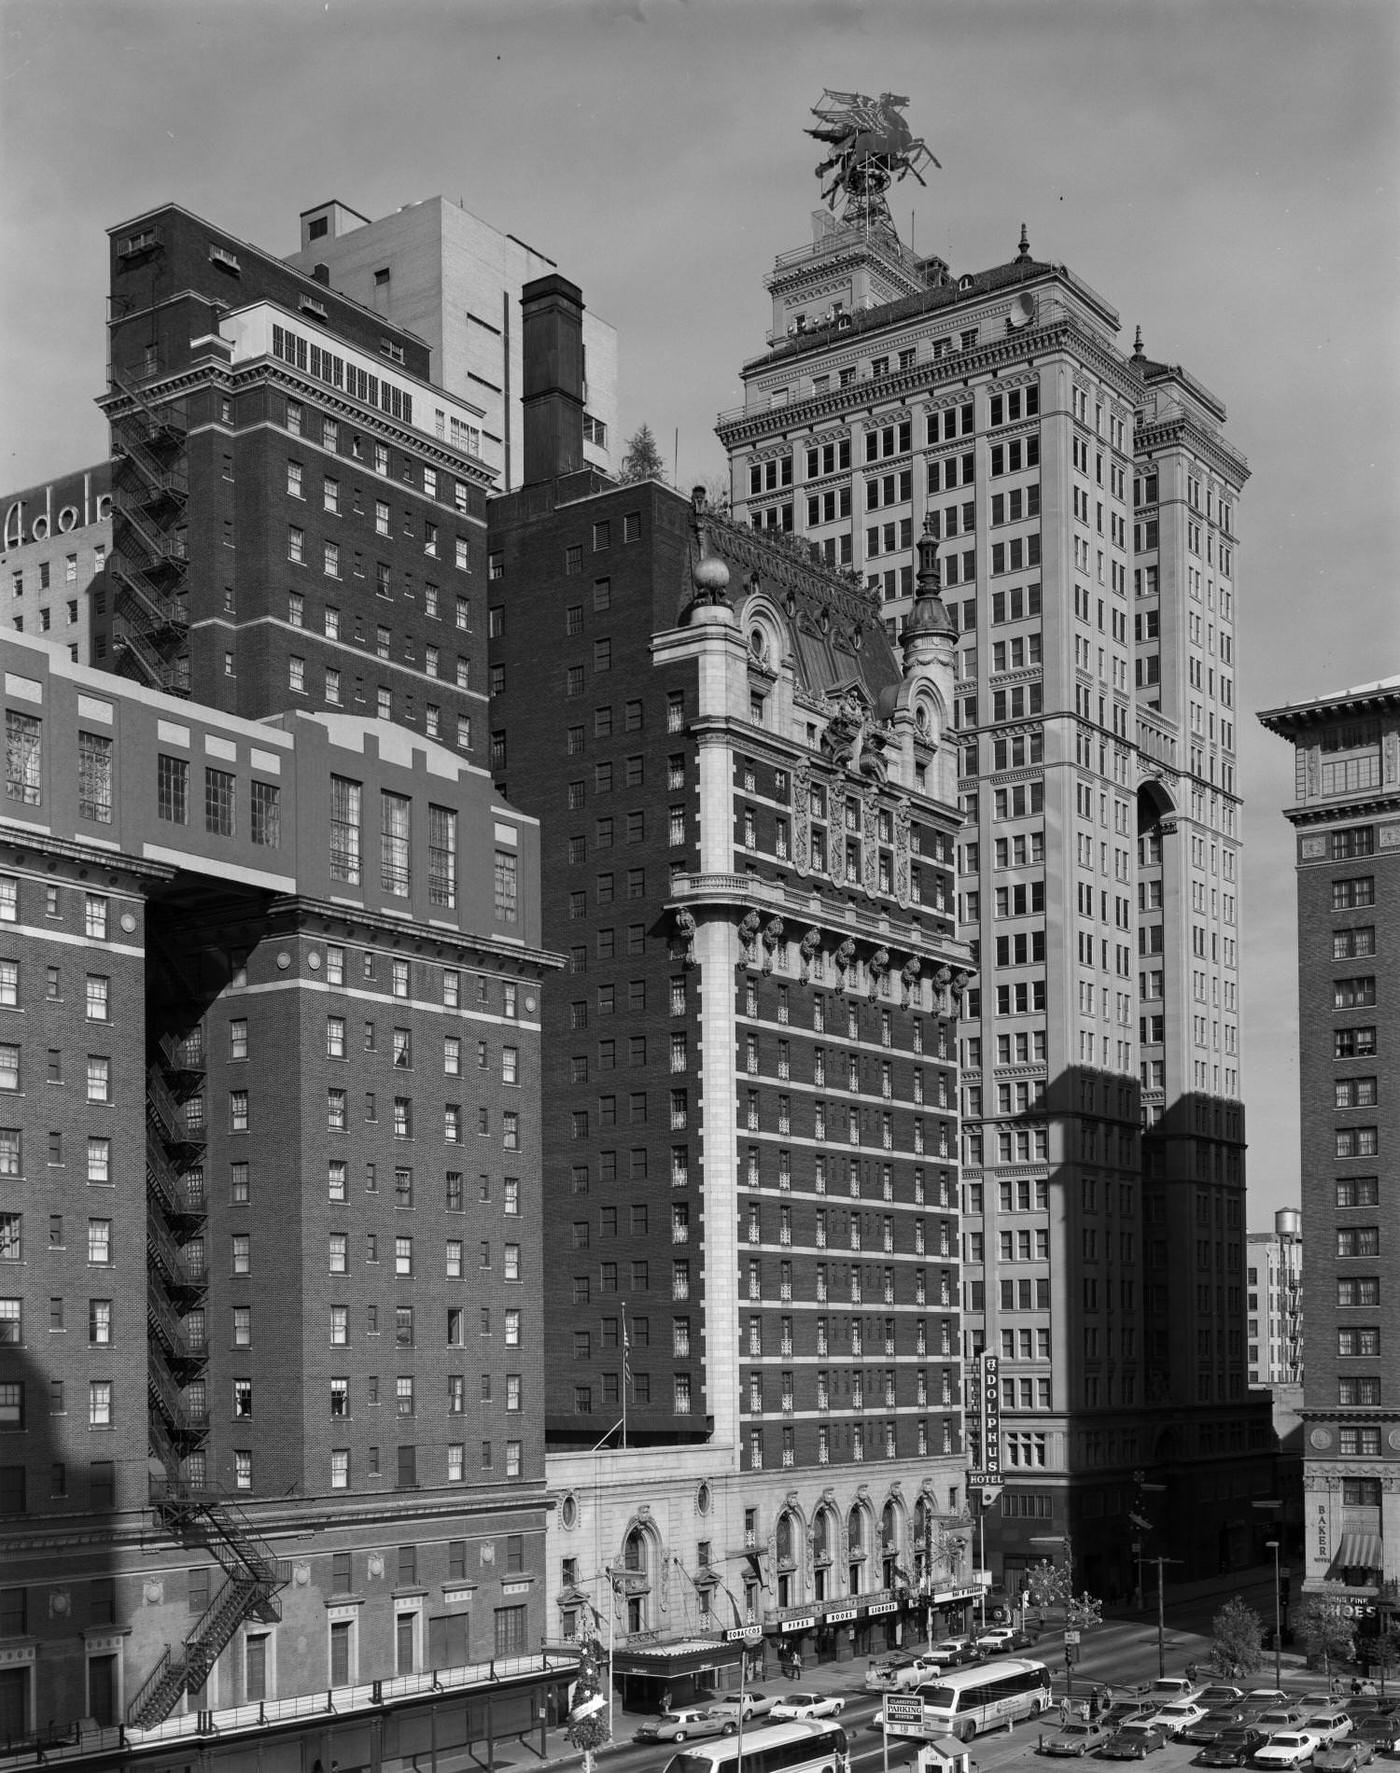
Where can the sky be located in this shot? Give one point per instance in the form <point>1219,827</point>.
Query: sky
<point>1223,171</point>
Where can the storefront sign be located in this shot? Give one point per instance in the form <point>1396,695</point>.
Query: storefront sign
<point>798,1624</point>
<point>24,523</point>
<point>839,1618</point>
<point>1322,1529</point>
<point>883,1607</point>
<point>955,1594</point>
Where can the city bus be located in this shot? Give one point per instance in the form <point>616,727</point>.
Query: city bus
<point>808,1745</point>
<point>966,1701</point>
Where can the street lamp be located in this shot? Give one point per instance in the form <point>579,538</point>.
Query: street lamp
<point>1272,1544</point>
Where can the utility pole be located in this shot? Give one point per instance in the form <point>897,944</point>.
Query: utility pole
<point>1161,1613</point>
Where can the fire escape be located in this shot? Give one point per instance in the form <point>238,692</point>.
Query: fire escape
<point>177,1356</point>
<point>150,555</point>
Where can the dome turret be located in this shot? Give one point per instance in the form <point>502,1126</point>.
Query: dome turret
<point>929,618</point>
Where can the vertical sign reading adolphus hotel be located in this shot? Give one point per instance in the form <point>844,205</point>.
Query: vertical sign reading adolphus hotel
<point>991,1417</point>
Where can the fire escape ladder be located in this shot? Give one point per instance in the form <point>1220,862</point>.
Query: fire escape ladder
<point>253,1578</point>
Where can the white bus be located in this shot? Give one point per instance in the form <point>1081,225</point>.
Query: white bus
<point>966,1701</point>
<point>808,1745</point>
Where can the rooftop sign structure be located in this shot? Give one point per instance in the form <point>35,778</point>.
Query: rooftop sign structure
<point>871,149</point>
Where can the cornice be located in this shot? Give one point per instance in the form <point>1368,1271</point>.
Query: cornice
<point>1182,428</point>
<point>937,373</point>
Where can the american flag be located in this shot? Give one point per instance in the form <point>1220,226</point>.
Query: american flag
<point>626,1354</point>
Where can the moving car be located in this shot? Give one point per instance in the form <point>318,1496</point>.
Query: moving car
<point>807,1705</point>
<point>755,1705</point>
<point>1075,1738</point>
<point>1233,1747</point>
<point>1346,1756</point>
<point>1178,1716</point>
<point>689,1720</point>
<point>1133,1742</point>
<point>1289,1748</point>
<point>1003,1640</point>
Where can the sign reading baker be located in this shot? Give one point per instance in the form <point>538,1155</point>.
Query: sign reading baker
<point>42,512</point>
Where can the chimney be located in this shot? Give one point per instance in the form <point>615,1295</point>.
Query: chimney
<point>552,382</point>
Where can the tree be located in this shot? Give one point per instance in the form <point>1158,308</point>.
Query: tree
<point>1327,1631</point>
<point>1382,1653</point>
<point>1237,1640</point>
<point>642,459</point>
<point>586,1727</point>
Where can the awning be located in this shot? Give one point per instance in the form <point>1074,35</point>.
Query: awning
<point>1358,1551</point>
<point>685,1657</point>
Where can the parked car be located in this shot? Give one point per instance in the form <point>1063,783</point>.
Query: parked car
<point>1206,1729</point>
<point>1178,1716</point>
<point>1133,1742</point>
<point>1259,1698</point>
<point>1220,1693</point>
<point>1330,1723</point>
<point>1346,1756</point>
<point>690,1720</point>
<point>1233,1747</point>
<point>1289,1748</point>
<point>1075,1739</point>
<point>1280,1717</point>
<point>1003,1640</point>
<point>1128,1711</point>
<point>897,1672</point>
<point>1381,1730</point>
<point>755,1705</point>
<point>807,1705</point>
<point>953,1653</point>
<point>1170,1687</point>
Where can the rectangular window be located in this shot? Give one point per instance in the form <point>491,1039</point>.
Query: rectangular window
<point>506,887</point>
<point>394,842</point>
<point>218,802</point>
<point>94,777</point>
<point>22,757</point>
<point>442,856</point>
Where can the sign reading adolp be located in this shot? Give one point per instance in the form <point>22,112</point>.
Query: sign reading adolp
<point>42,512</point>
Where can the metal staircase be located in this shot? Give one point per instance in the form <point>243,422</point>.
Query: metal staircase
<point>253,1579</point>
<point>150,555</point>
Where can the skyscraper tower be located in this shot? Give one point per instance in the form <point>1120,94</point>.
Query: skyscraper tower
<point>1085,502</point>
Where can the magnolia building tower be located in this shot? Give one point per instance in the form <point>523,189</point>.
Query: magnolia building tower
<point>1086,504</point>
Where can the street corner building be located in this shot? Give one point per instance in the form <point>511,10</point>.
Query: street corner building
<point>747,794</point>
<point>270,1295</point>
<point>1346,814</point>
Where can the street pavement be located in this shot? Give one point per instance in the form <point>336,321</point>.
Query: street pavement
<point>1122,1653</point>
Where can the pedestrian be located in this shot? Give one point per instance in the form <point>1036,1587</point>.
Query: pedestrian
<point>1064,1711</point>
<point>1356,1686</point>
<point>666,1699</point>
<point>797,1665</point>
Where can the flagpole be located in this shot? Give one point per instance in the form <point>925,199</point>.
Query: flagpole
<point>626,1372</point>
